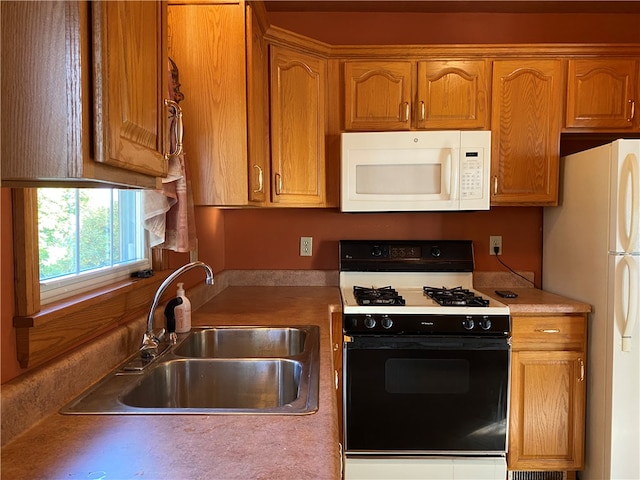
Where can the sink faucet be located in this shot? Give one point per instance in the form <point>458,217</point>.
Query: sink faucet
<point>151,341</point>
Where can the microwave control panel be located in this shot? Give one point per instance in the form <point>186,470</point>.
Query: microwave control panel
<point>472,173</point>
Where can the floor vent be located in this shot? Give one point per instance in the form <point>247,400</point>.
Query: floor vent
<point>537,476</point>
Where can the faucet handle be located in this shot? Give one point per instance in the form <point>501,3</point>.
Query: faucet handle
<point>170,316</point>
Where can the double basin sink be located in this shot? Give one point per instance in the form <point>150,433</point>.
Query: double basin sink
<point>216,370</point>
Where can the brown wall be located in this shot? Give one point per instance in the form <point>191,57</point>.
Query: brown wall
<point>369,28</point>
<point>269,239</point>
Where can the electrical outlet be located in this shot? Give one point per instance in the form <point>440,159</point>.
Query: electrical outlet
<point>306,246</point>
<point>495,241</point>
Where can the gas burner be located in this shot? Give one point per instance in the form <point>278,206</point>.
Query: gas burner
<point>382,296</point>
<point>455,297</point>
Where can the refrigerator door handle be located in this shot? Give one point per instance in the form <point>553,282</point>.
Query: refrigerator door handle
<point>632,311</point>
<point>629,178</point>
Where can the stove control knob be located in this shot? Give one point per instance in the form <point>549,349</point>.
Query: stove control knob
<point>369,321</point>
<point>468,323</point>
<point>435,252</point>
<point>386,322</point>
<point>485,323</point>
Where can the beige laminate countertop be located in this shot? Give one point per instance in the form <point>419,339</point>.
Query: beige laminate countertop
<point>537,302</point>
<point>192,447</point>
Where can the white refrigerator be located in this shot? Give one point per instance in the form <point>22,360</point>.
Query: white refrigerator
<point>591,253</point>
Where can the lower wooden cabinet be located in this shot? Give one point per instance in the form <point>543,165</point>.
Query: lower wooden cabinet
<point>547,409</point>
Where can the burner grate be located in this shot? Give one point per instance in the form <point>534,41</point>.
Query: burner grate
<point>455,297</point>
<point>383,296</point>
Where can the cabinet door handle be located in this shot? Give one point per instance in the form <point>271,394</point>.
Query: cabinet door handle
<point>278,184</point>
<point>548,330</point>
<point>582,372</point>
<point>423,110</point>
<point>633,110</point>
<point>406,111</point>
<point>495,185</point>
<point>179,131</point>
<point>260,179</point>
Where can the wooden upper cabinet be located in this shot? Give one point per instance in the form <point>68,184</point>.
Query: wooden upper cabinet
<point>83,86</point>
<point>602,94</point>
<point>208,44</point>
<point>378,95</point>
<point>526,120</point>
<point>405,95</point>
<point>130,74</point>
<point>453,94</point>
<point>258,108</point>
<point>298,104</point>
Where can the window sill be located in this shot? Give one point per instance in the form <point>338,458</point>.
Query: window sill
<point>61,326</point>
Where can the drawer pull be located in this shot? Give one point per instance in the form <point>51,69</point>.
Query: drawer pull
<point>548,330</point>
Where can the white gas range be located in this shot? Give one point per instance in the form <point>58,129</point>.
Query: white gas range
<point>425,363</point>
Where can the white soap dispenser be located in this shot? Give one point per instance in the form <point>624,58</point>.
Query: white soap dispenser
<point>183,312</point>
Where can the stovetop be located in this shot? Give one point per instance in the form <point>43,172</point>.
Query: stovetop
<point>415,287</point>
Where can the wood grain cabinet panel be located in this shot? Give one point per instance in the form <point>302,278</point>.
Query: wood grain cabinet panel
<point>405,95</point>
<point>378,95</point>
<point>130,74</point>
<point>258,109</point>
<point>602,94</point>
<point>548,393</point>
<point>298,98</point>
<point>453,94</point>
<point>83,87</point>
<point>526,120</point>
<point>208,44</point>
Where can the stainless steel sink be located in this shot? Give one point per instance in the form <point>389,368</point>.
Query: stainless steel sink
<point>239,342</point>
<point>223,384</point>
<point>216,370</point>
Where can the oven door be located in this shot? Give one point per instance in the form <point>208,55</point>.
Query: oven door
<point>411,395</point>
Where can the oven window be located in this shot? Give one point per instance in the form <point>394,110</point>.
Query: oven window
<point>435,396</point>
<point>427,376</point>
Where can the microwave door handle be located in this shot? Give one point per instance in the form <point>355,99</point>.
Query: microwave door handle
<point>451,174</point>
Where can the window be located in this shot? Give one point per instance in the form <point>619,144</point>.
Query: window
<point>88,237</point>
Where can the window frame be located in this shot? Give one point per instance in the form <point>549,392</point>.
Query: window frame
<point>45,332</point>
<point>59,288</point>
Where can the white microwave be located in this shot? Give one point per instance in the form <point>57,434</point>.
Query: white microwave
<point>415,171</point>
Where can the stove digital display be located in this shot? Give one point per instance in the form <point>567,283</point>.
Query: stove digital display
<point>405,252</point>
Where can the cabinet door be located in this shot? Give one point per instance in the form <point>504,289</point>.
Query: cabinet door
<point>378,95</point>
<point>453,94</point>
<point>130,73</point>
<point>207,42</point>
<point>298,95</point>
<point>526,117</point>
<point>258,109</point>
<point>546,423</point>
<point>601,94</point>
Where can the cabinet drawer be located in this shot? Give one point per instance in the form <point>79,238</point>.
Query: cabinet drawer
<point>546,333</point>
